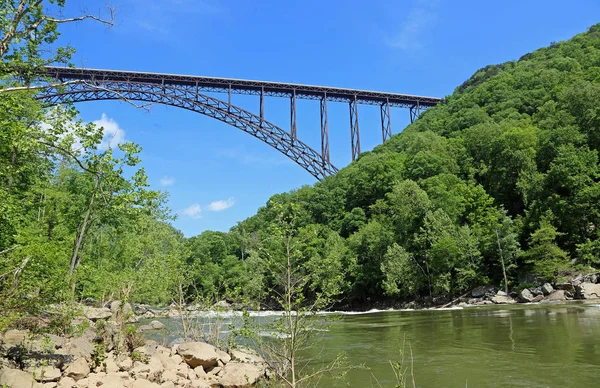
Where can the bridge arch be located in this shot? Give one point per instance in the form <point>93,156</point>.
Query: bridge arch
<point>257,126</point>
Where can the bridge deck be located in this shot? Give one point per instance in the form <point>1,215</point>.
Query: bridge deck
<point>240,86</point>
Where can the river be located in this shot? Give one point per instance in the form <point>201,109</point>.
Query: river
<point>535,345</point>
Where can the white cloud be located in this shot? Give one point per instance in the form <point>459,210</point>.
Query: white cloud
<point>161,17</point>
<point>167,181</point>
<point>193,211</point>
<point>113,135</point>
<point>220,205</point>
<point>410,36</point>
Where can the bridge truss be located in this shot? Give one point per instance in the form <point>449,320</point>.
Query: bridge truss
<point>186,92</point>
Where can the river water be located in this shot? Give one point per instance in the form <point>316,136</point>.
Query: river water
<point>543,345</point>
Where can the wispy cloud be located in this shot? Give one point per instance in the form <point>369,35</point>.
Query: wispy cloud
<point>411,32</point>
<point>162,16</point>
<point>220,205</point>
<point>167,181</point>
<point>113,135</point>
<point>193,211</point>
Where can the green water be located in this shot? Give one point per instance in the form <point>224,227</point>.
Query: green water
<point>496,346</point>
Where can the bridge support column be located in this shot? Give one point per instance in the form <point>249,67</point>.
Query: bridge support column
<point>415,111</point>
<point>386,121</point>
<point>354,131</point>
<point>262,106</point>
<point>324,130</point>
<point>293,115</point>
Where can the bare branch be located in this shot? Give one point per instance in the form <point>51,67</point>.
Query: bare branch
<point>69,153</point>
<point>39,87</point>
<point>110,22</point>
<point>8,250</point>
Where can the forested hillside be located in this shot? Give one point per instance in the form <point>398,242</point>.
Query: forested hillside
<point>499,184</point>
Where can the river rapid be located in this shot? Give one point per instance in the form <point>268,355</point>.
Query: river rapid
<point>531,345</point>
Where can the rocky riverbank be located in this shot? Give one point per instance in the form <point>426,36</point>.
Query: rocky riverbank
<point>108,355</point>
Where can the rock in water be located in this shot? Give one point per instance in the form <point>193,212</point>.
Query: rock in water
<point>156,325</point>
<point>557,295</point>
<point>587,291</point>
<point>526,296</point>
<point>239,375</point>
<point>198,353</point>
<point>547,289</point>
<point>503,300</point>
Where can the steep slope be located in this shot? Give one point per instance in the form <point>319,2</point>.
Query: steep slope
<point>499,181</point>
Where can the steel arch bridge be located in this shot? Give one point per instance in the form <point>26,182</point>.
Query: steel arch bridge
<point>77,85</point>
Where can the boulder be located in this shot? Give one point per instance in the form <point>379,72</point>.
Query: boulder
<point>526,296</point>
<point>587,291</point>
<point>79,347</point>
<point>47,374</point>
<point>94,314</point>
<point>240,375</point>
<point>503,300</point>
<point>15,378</point>
<point>557,295</point>
<point>126,310</point>
<point>538,298</point>
<point>536,291</point>
<point>125,364</point>
<point>167,384</point>
<point>248,356</point>
<point>170,375</point>
<point>222,304</point>
<point>156,325</point>
<point>66,382</point>
<point>112,380</point>
<point>547,289</point>
<point>78,370</point>
<point>14,337</point>
<point>501,293</point>
<point>198,354</point>
<point>224,357</point>
<point>565,286</point>
<point>482,291</point>
<point>143,383</point>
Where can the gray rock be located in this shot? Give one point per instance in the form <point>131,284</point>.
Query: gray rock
<point>47,374</point>
<point>536,291</point>
<point>198,353</point>
<point>14,337</point>
<point>15,378</point>
<point>94,314</point>
<point>557,295</point>
<point>222,304</point>
<point>587,291</point>
<point>482,291</point>
<point>526,296</point>
<point>567,286</point>
<point>156,325</point>
<point>547,289</point>
<point>240,375</point>
<point>538,298</point>
<point>78,370</point>
<point>503,300</point>
<point>501,293</point>
<point>79,347</point>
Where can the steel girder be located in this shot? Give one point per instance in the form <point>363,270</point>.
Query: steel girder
<point>196,84</point>
<point>257,126</point>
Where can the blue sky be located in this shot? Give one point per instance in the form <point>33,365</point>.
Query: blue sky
<point>218,175</point>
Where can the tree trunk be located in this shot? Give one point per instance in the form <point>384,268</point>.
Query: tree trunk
<point>79,240</point>
<point>502,261</point>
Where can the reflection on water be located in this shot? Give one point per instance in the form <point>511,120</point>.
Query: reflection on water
<point>493,346</point>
